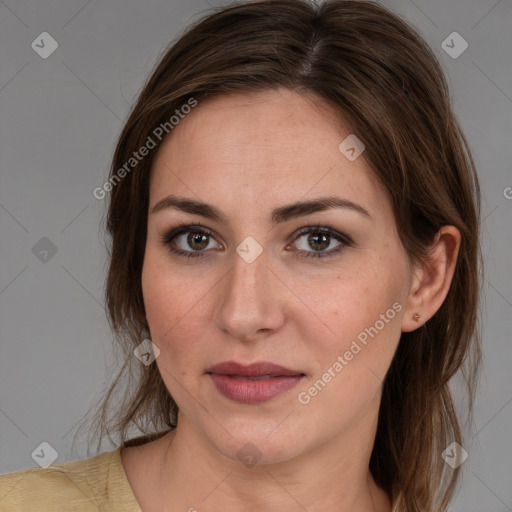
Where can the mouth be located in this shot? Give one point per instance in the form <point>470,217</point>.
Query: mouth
<point>260,377</point>
<point>255,371</point>
<point>254,383</point>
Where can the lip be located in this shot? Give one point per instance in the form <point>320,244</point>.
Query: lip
<point>252,370</point>
<point>236,381</point>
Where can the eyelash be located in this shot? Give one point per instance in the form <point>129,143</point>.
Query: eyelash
<point>182,228</point>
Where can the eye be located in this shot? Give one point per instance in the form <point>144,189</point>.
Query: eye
<point>198,238</point>
<point>320,238</point>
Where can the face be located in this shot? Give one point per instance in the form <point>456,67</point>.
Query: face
<point>319,292</point>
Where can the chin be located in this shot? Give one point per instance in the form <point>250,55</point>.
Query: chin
<point>259,448</point>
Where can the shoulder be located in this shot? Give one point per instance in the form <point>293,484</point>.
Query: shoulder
<point>84,486</point>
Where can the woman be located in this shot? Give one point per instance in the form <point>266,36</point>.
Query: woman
<point>294,274</point>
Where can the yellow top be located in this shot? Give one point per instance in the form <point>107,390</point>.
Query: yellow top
<point>94,484</point>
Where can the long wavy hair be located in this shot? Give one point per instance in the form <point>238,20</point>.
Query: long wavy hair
<point>384,81</point>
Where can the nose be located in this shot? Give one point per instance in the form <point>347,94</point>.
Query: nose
<point>251,300</point>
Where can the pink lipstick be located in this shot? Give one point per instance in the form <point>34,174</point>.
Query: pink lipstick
<point>254,383</point>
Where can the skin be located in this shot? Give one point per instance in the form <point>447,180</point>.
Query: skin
<point>247,154</point>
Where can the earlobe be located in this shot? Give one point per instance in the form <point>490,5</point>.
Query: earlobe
<point>431,285</point>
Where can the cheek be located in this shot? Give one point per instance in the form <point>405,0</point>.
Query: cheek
<point>351,362</point>
<point>173,311</point>
<point>359,316</point>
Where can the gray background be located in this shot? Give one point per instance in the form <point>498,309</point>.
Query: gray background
<point>59,121</point>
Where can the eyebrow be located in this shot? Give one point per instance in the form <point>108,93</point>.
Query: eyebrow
<point>281,214</point>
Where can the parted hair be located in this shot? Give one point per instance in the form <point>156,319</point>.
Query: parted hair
<point>380,77</point>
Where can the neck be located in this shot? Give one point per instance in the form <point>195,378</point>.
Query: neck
<point>333,475</point>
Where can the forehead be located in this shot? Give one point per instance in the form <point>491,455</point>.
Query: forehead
<point>251,148</point>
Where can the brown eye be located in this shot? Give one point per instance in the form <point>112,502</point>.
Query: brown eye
<point>319,239</point>
<point>194,241</point>
<point>197,241</point>
<point>188,241</point>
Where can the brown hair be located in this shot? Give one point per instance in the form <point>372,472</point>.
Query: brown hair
<point>373,70</point>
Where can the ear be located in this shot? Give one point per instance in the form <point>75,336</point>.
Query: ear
<point>432,281</point>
